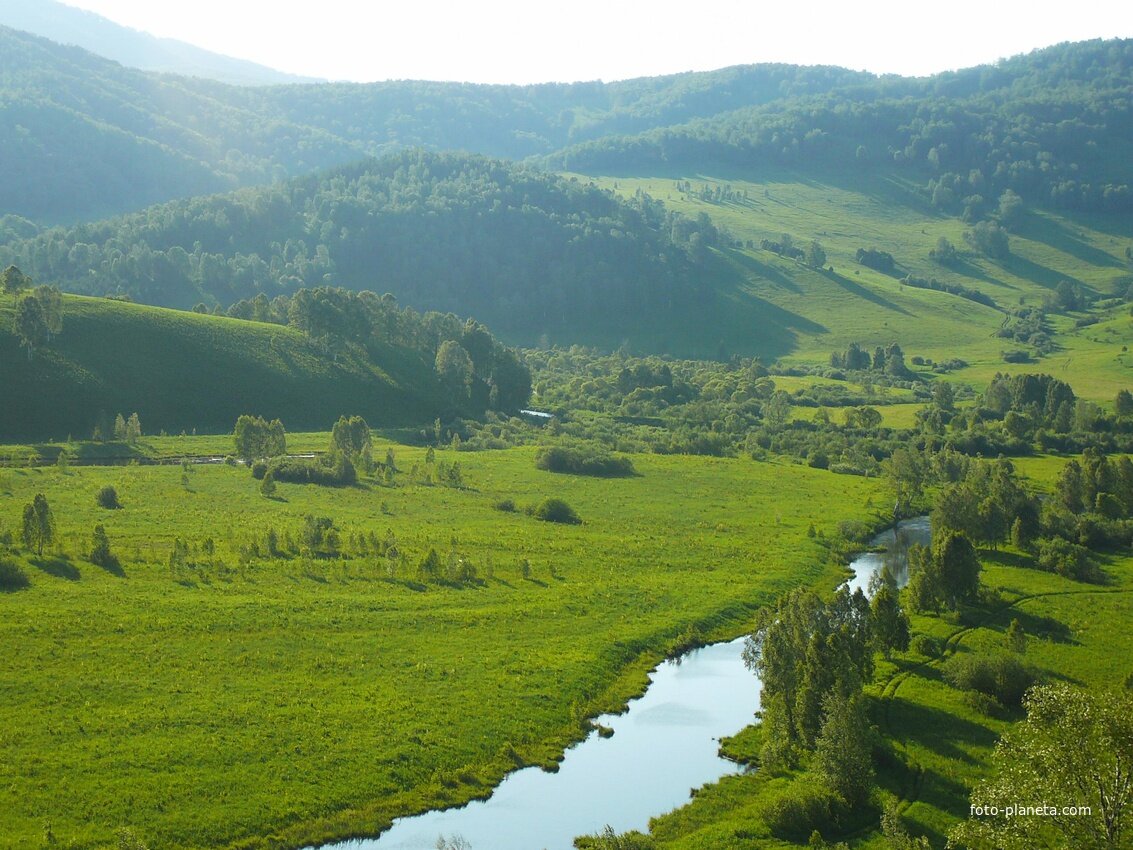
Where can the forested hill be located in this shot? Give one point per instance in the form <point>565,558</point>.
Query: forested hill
<point>306,360</point>
<point>82,137</point>
<point>522,250</point>
<point>1053,126</point>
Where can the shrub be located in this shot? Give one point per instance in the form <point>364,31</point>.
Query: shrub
<point>925,645</point>
<point>556,510</point>
<point>333,470</point>
<point>1003,677</point>
<point>108,498</point>
<point>505,505</point>
<point>799,811</point>
<point>1067,559</point>
<point>11,576</point>
<point>588,461</point>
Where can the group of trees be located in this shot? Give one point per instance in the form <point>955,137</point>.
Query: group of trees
<point>813,659</point>
<point>890,360</point>
<point>475,369</point>
<point>39,312</point>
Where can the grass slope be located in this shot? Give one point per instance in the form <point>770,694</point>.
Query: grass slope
<point>779,308</point>
<point>182,371</point>
<point>277,703</point>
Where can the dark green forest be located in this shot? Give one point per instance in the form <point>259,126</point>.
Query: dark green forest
<point>517,248</point>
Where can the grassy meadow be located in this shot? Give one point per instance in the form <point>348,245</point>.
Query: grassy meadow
<point>779,308</point>
<point>242,701</point>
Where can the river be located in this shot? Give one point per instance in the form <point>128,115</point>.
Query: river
<point>663,746</point>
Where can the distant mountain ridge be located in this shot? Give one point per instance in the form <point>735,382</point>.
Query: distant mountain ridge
<point>82,137</point>
<point>135,49</point>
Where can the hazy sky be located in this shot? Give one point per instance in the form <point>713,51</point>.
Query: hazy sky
<point>535,41</point>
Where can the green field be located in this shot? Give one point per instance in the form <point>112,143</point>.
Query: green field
<point>245,701</point>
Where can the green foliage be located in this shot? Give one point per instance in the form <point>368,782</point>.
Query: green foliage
<point>1075,749</point>
<point>607,839</point>
<point>38,525</point>
<point>256,438</point>
<point>350,436</point>
<point>11,576</point>
<point>843,751</point>
<point>333,469</point>
<point>107,497</point>
<point>1003,676</point>
<point>553,509</point>
<point>536,252</point>
<point>100,554</point>
<point>583,461</point>
<point>944,576</point>
<point>804,650</point>
<point>797,812</point>
<point>183,372</point>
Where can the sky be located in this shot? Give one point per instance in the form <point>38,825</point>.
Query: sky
<point>503,41</point>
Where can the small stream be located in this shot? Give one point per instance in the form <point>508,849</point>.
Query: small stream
<point>664,745</point>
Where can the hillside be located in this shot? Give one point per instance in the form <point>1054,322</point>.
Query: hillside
<point>182,372</point>
<point>526,252</point>
<point>68,25</point>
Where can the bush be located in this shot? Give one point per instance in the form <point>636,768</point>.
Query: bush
<point>799,811</point>
<point>505,505</point>
<point>589,461</point>
<point>556,510</point>
<point>333,470</point>
<point>925,645</point>
<point>259,469</point>
<point>11,576</point>
<point>1067,559</point>
<point>108,498</point>
<point>1003,677</point>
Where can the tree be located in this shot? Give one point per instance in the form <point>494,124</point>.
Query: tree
<point>39,524</point>
<point>1123,403</point>
<point>959,568</point>
<point>257,438</point>
<point>351,436</point>
<point>51,300</point>
<point>1075,749</point>
<point>777,410</point>
<point>844,750</point>
<point>107,497</point>
<point>30,324</point>
<point>267,485</point>
<point>944,252</point>
<point>890,623</point>
<point>14,281</point>
<point>100,554</point>
<point>1015,637</point>
<point>815,255</point>
<point>454,367</point>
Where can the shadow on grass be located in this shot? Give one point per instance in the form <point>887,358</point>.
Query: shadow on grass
<point>1057,236</point>
<point>60,567</point>
<point>862,292</point>
<point>114,567</point>
<point>939,730</point>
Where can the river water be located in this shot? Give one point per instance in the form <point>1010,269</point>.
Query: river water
<point>664,745</point>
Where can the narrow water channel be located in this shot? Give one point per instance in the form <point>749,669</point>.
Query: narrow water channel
<point>664,746</point>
